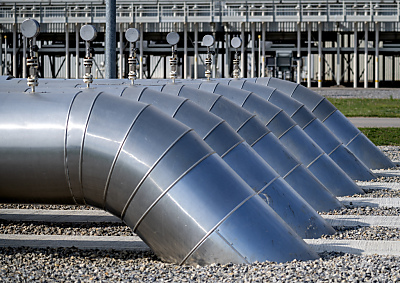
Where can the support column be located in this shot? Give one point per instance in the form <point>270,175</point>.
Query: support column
<point>227,52</point>
<point>338,45</point>
<point>242,35</point>
<point>320,55</point>
<point>24,41</point>
<point>196,50</point>
<point>121,52</point>
<point>355,58</point>
<point>263,27</point>
<point>14,50</point>
<point>377,26</point>
<point>366,27</point>
<point>309,54</point>
<point>141,52</point>
<point>253,55</point>
<point>299,53</point>
<point>185,57</point>
<point>111,41</point>
<point>67,56</point>
<point>77,51</point>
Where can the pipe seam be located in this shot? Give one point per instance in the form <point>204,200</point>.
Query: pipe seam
<point>167,190</point>
<point>291,170</point>
<point>229,150</point>
<point>179,107</point>
<point>315,160</point>
<point>260,138</point>
<point>359,133</point>
<point>285,132</point>
<point>213,128</point>
<point>338,146</point>
<point>149,171</point>
<point>329,115</point>
<point>318,103</point>
<point>245,122</point>
<point>118,153</point>
<point>309,123</point>
<point>216,227</point>
<point>273,117</point>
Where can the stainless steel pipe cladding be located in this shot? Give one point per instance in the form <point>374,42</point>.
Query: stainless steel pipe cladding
<point>288,132</point>
<point>289,205</point>
<point>313,127</point>
<point>264,143</point>
<point>352,137</point>
<point>152,171</point>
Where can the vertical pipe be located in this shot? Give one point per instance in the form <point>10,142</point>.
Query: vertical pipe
<point>299,52</point>
<point>366,26</point>
<point>320,55</point>
<point>67,56</point>
<point>309,54</point>
<point>253,56</point>
<point>196,49</point>
<point>5,57</point>
<point>77,51</point>
<point>338,45</point>
<point>263,49</point>
<point>355,58</point>
<point>141,52</point>
<point>377,54</point>
<point>110,39</point>
<point>227,51</point>
<point>185,58</point>
<point>24,57</point>
<point>242,34</point>
<point>14,50</point>
<point>121,52</point>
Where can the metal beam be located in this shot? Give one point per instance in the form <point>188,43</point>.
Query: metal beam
<point>366,26</point>
<point>185,47</point>
<point>355,57</point>
<point>67,64</point>
<point>377,26</point>
<point>309,54</point>
<point>77,51</point>
<point>263,26</point>
<point>299,52</point>
<point>14,50</point>
<point>111,40</point>
<point>320,54</point>
<point>196,49</point>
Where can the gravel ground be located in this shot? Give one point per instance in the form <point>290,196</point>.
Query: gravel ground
<point>341,92</point>
<point>73,265</point>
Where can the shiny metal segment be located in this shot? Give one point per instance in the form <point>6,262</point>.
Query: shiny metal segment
<point>33,131</point>
<point>195,205</point>
<point>367,152</point>
<point>30,28</point>
<point>242,159</point>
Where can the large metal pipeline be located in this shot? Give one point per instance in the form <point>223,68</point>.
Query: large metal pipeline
<point>261,139</point>
<point>312,126</point>
<point>155,173</point>
<point>352,137</point>
<point>288,204</point>
<point>295,140</point>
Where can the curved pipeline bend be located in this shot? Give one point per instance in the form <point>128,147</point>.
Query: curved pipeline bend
<point>152,171</point>
<point>313,127</point>
<point>264,143</point>
<point>287,131</point>
<point>352,137</point>
<point>288,204</point>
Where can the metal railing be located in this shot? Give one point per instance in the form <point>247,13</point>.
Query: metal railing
<point>206,11</point>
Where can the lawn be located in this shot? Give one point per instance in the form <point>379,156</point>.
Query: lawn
<point>362,107</point>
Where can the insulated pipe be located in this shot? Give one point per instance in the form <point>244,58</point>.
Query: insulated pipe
<point>313,127</point>
<point>121,156</point>
<point>292,136</point>
<point>264,143</point>
<point>288,167</point>
<point>285,201</point>
<point>352,137</point>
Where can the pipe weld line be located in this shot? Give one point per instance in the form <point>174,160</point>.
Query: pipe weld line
<point>312,120</point>
<point>140,94</point>
<point>213,128</point>
<point>245,122</point>
<point>340,144</point>
<point>247,97</point>
<point>118,153</point>
<point>269,97</point>
<point>179,107</point>
<point>312,162</point>
<point>273,117</point>
<point>291,170</point>
<point>213,104</point>
<point>297,110</point>
<point>168,188</point>
<point>329,115</point>
<point>83,144</point>
<point>267,185</point>
<point>149,172</point>
<point>229,150</point>
<point>216,227</point>
<point>293,91</point>
<point>359,133</point>
<point>261,137</point>
<point>66,154</point>
<point>318,103</point>
<point>285,132</point>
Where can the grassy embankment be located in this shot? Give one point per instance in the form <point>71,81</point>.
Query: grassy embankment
<point>358,107</point>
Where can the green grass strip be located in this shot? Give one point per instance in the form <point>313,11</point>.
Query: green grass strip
<point>383,136</point>
<point>363,107</point>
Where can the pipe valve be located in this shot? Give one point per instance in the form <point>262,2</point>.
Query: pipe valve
<point>30,29</point>
<point>173,39</point>
<point>88,33</point>
<point>132,35</point>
